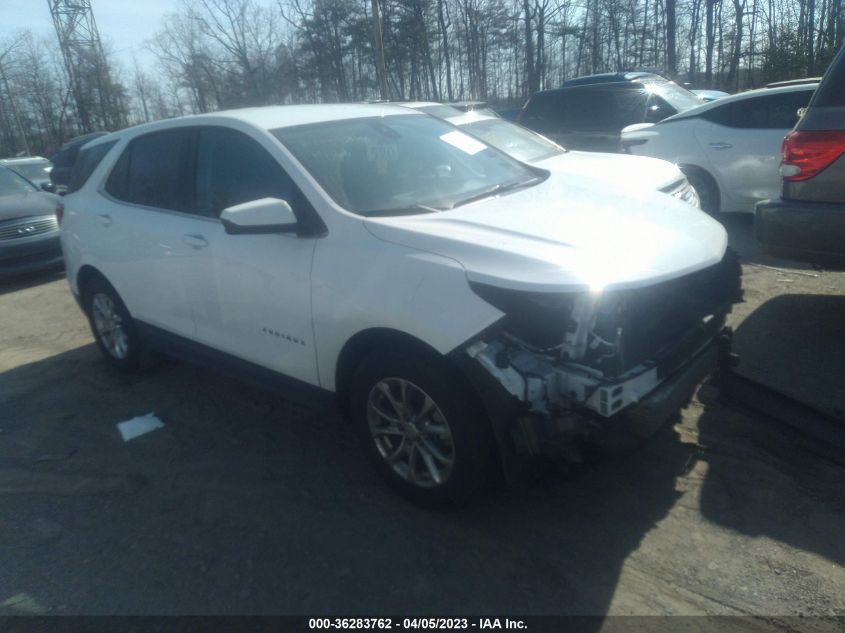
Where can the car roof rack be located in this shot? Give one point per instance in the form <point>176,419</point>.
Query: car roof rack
<point>617,77</point>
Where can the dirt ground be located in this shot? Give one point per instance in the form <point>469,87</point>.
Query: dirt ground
<point>246,504</point>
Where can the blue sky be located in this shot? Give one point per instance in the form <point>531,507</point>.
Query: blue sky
<point>123,24</point>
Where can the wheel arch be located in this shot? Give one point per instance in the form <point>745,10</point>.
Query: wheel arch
<point>363,343</point>
<point>85,276</point>
<point>691,171</point>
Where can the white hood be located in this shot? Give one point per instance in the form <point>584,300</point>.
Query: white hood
<point>557,236</point>
<point>635,173</point>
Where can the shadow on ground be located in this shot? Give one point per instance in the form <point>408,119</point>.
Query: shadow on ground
<point>29,280</point>
<point>244,503</point>
<point>247,504</point>
<point>794,344</point>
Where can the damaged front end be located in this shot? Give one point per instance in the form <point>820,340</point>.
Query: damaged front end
<point>561,369</point>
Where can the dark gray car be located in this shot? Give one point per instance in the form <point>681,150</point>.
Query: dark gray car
<point>29,232</point>
<point>808,221</point>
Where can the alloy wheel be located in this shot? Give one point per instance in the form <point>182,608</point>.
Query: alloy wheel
<point>410,432</point>
<point>109,326</point>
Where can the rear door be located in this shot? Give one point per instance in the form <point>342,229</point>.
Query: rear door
<point>741,141</point>
<point>147,244</point>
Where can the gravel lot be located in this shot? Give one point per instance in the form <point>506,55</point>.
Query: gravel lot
<point>246,504</point>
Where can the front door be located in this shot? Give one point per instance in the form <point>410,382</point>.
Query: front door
<point>256,300</point>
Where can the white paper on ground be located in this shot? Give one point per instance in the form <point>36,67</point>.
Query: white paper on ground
<point>136,427</point>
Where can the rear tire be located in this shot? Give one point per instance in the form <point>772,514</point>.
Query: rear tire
<point>112,326</point>
<point>422,427</point>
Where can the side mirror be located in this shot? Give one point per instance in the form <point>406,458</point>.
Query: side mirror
<point>49,187</point>
<point>266,215</point>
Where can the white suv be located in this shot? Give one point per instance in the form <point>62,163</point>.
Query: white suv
<point>468,310</point>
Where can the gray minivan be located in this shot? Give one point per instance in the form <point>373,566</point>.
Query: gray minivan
<point>808,221</point>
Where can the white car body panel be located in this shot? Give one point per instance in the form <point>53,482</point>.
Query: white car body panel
<point>633,173</point>
<point>396,287</point>
<point>408,273</point>
<point>743,161</point>
<point>566,238</point>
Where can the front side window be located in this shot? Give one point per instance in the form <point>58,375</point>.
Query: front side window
<point>401,164</point>
<point>13,184</point>
<point>513,140</point>
<point>232,168</point>
<point>678,98</point>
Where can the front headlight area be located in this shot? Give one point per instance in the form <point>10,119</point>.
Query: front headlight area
<point>556,351</point>
<point>686,192</point>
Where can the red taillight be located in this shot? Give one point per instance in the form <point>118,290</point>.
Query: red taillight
<point>60,212</point>
<point>806,153</point>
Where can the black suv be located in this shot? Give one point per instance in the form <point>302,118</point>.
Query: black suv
<point>65,159</point>
<point>588,113</point>
<point>808,221</point>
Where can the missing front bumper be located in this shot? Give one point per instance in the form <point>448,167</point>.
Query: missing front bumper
<point>546,410</point>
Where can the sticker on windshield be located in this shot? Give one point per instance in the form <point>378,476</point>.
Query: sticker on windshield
<point>463,142</point>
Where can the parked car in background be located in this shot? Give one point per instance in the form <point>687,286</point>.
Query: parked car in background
<point>29,232</point>
<point>709,95</point>
<point>633,173</point>
<point>588,113</point>
<point>728,148</point>
<point>463,307</point>
<point>64,160</point>
<point>807,221</point>
<point>35,169</point>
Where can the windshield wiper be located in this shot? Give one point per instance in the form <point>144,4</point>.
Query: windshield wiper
<point>497,189</point>
<point>417,209</point>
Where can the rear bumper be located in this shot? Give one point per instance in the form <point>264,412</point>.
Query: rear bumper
<point>806,231</point>
<point>30,254</point>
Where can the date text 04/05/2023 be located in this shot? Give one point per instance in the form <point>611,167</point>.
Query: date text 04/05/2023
<point>430,624</point>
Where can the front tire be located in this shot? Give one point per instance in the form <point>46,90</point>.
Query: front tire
<point>112,326</point>
<point>422,428</point>
<point>705,186</point>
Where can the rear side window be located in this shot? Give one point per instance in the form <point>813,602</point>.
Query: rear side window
<point>233,168</point>
<point>586,109</point>
<point>88,160</point>
<point>155,171</point>
<point>777,111</point>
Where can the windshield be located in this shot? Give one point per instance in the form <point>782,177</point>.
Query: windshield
<point>33,171</point>
<point>401,164</point>
<point>513,139</point>
<point>679,98</point>
<point>11,183</point>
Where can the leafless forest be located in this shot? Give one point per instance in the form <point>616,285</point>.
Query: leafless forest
<point>214,54</point>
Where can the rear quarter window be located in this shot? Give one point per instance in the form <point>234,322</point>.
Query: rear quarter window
<point>86,163</point>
